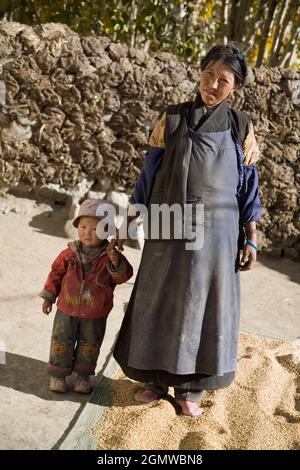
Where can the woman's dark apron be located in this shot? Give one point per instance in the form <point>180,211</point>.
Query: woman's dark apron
<point>182,321</point>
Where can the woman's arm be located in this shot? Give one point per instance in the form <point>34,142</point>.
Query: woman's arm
<point>251,230</point>
<point>144,184</point>
<point>249,252</point>
<point>250,213</point>
<point>152,161</point>
<point>142,191</point>
<point>249,201</point>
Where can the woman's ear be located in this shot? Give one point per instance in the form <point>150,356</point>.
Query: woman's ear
<point>231,94</point>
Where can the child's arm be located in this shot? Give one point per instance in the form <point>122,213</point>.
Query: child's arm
<point>54,280</point>
<point>118,266</point>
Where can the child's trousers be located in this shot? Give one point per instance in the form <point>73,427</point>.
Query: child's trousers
<point>180,393</point>
<point>75,345</point>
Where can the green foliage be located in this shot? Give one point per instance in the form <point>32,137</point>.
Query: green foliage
<point>185,28</point>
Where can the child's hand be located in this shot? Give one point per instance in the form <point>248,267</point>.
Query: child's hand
<point>47,307</point>
<point>118,242</point>
<point>114,256</point>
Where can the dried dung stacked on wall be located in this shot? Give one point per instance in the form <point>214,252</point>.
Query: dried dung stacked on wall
<point>81,108</point>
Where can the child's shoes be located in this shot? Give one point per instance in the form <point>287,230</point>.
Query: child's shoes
<point>146,396</point>
<point>57,384</point>
<point>189,408</point>
<point>82,385</point>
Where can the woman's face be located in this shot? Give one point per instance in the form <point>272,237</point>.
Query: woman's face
<point>216,83</point>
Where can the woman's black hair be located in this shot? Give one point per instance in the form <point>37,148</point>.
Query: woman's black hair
<point>231,57</point>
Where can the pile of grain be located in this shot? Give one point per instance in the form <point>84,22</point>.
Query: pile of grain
<point>260,410</point>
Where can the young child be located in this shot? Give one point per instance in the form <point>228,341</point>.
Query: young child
<point>82,279</point>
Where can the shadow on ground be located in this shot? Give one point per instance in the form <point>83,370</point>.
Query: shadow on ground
<point>28,375</point>
<point>123,391</point>
<point>51,222</point>
<point>282,265</point>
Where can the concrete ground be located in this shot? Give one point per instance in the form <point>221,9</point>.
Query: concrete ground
<point>30,238</point>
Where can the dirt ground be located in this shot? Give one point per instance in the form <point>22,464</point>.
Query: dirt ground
<point>30,238</point>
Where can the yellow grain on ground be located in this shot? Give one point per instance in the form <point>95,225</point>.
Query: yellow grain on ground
<point>260,410</point>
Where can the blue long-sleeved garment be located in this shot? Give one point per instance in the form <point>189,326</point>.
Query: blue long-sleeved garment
<point>247,192</point>
<point>144,184</point>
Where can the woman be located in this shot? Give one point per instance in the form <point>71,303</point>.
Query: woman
<point>181,327</point>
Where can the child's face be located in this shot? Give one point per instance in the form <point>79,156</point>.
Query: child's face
<point>87,231</point>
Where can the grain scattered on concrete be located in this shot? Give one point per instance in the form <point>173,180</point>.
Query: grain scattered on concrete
<point>260,410</point>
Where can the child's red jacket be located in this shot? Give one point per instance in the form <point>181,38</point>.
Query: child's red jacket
<point>87,295</point>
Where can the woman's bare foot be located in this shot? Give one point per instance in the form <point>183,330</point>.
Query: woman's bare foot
<point>146,396</point>
<point>189,408</point>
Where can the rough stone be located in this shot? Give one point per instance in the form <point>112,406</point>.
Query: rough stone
<point>77,112</point>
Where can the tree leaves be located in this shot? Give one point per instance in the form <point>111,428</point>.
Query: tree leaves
<point>267,31</point>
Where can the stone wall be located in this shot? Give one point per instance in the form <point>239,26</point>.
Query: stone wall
<point>78,111</point>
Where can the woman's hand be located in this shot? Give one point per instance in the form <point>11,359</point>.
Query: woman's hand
<point>248,258</point>
<point>47,307</point>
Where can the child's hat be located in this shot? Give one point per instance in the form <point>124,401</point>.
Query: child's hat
<point>89,208</point>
